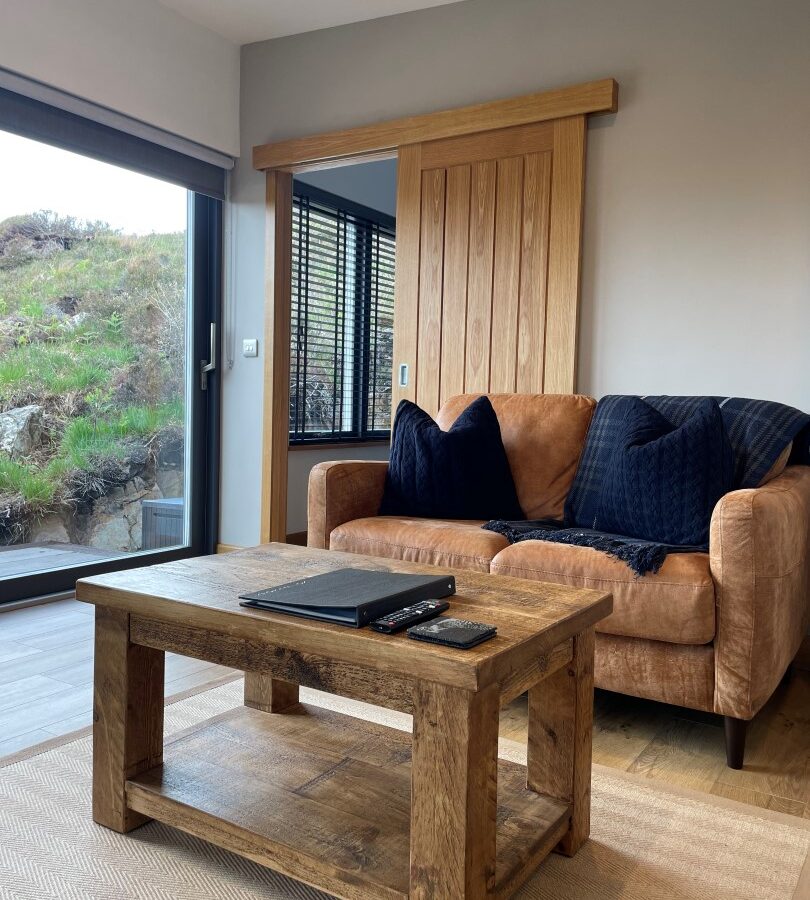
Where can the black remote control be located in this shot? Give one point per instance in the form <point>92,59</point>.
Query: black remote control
<point>411,615</point>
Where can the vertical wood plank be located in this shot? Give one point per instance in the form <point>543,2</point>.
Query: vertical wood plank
<point>127,717</point>
<point>276,405</point>
<point>565,238</point>
<point>533,273</point>
<point>454,787</point>
<point>558,761</point>
<point>406,293</point>
<point>431,252</point>
<point>269,694</point>
<point>479,287</point>
<point>506,275</point>
<point>454,304</point>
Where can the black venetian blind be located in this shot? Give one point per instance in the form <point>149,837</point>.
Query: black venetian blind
<point>342,320</point>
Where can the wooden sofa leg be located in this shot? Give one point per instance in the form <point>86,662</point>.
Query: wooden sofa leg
<point>735,741</point>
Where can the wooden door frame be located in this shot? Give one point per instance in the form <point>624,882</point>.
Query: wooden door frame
<point>283,159</point>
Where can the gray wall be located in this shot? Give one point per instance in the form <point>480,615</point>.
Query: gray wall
<point>696,261</point>
<point>373,184</point>
<point>139,58</point>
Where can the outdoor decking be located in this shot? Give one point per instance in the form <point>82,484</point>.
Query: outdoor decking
<point>46,673</point>
<point>26,559</point>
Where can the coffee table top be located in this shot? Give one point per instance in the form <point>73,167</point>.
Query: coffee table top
<point>532,617</point>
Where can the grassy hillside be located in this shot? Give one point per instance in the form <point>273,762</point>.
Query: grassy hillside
<point>92,330</point>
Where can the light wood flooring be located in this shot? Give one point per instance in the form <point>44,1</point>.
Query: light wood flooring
<point>46,673</point>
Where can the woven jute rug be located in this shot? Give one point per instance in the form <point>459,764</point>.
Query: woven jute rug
<point>647,841</point>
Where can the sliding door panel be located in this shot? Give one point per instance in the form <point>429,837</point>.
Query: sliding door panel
<point>488,300</point>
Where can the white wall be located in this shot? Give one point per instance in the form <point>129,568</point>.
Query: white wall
<point>133,56</point>
<point>696,259</point>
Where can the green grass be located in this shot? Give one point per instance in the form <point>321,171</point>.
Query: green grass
<point>106,265</point>
<point>87,440</point>
<point>34,486</point>
<point>126,289</point>
<point>52,370</point>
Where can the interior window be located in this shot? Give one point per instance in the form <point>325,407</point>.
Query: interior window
<point>342,320</point>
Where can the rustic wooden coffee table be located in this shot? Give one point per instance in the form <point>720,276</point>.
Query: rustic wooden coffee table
<point>354,808</point>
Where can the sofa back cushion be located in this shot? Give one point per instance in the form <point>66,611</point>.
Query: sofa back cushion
<point>543,435</point>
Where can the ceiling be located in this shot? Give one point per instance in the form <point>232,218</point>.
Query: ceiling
<point>246,21</point>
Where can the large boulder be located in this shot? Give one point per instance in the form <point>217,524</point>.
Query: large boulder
<point>21,430</point>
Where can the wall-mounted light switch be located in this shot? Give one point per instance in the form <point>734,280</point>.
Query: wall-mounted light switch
<point>250,347</point>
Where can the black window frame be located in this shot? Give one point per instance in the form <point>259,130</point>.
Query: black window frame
<point>31,119</point>
<point>363,306</point>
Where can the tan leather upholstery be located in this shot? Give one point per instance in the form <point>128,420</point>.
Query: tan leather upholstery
<point>435,542</point>
<point>759,546</point>
<point>676,604</point>
<point>543,435</point>
<point>339,492</point>
<point>672,673</point>
<point>709,632</point>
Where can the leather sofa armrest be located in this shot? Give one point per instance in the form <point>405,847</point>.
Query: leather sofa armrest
<point>759,550</point>
<point>340,492</point>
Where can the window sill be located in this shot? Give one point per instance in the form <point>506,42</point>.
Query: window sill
<point>338,445</point>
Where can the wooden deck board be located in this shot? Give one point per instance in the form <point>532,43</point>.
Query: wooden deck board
<point>25,559</point>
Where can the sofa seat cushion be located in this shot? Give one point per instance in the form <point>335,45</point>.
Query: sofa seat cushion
<point>675,605</point>
<point>434,542</point>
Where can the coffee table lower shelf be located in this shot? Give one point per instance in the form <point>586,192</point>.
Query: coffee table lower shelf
<point>324,798</point>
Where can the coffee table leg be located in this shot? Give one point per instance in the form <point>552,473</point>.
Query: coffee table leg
<point>269,694</point>
<point>560,735</point>
<point>454,792</point>
<point>127,717</point>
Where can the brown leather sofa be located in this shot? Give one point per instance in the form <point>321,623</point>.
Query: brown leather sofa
<point>711,631</point>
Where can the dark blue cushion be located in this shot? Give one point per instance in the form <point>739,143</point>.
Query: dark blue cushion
<point>462,473</point>
<point>663,481</point>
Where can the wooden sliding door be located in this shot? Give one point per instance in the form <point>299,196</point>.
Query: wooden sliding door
<point>488,249</point>
<point>489,215</point>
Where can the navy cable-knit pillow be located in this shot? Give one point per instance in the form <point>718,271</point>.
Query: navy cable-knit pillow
<point>663,481</point>
<point>462,473</point>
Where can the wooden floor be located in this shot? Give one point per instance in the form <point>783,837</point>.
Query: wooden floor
<point>46,672</point>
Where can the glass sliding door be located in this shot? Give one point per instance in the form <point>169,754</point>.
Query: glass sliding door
<point>107,313</point>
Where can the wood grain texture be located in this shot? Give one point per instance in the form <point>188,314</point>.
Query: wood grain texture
<point>578,100</point>
<point>272,695</point>
<point>290,783</point>
<point>276,403</point>
<point>560,739</point>
<point>431,254</point>
<point>506,276</point>
<point>483,146</point>
<point>454,785</point>
<point>264,660</point>
<point>454,291</point>
<point>127,717</point>
<point>537,618</point>
<point>406,294</point>
<point>531,329</point>
<point>565,238</point>
<point>479,288</point>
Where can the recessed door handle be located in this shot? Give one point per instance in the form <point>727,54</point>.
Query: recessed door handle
<point>209,365</point>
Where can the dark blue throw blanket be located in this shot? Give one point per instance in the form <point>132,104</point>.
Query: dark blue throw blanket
<point>758,430</point>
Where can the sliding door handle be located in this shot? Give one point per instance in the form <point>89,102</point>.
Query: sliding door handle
<point>209,365</point>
